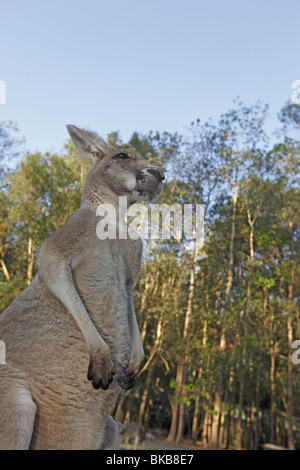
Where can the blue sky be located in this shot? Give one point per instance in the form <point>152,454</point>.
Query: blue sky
<point>142,65</point>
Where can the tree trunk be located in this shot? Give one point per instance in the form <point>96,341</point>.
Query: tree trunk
<point>156,345</point>
<point>177,424</point>
<point>196,411</point>
<point>239,427</point>
<point>291,444</point>
<point>218,394</point>
<point>186,359</point>
<point>201,389</point>
<point>148,286</point>
<point>257,403</point>
<point>239,437</point>
<point>272,383</point>
<point>145,394</point>
<point>206,428</point>
<point>174,406</point>
<point>30,260</point>
<point>222,345</point>
<point>230,407</point>
<point>5,270</point>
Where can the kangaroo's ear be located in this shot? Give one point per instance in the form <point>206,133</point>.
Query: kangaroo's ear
<point>88,144</point>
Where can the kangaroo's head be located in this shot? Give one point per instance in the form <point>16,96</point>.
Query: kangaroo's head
<point>115,172</point>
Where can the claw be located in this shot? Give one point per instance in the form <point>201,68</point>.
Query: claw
<point>101,372</point>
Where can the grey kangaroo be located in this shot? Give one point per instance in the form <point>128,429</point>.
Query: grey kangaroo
<point>75,322</point>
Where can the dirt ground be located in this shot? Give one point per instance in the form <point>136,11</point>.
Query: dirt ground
<point>157,441</point>
<point>158,444</point>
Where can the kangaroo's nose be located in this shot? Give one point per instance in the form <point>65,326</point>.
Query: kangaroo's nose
<point>158,175</point>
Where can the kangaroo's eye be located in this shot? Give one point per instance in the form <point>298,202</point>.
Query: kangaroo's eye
<point>122,156</point>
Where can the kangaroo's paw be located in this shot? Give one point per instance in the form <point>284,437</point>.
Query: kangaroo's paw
<point>129,375</point>
<point>101,371</point>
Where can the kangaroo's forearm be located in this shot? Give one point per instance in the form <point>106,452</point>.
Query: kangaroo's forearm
<point>60,283</point>
<point>137,350</point>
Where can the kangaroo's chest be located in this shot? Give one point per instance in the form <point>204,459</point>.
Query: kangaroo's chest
<point>107,265</point>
